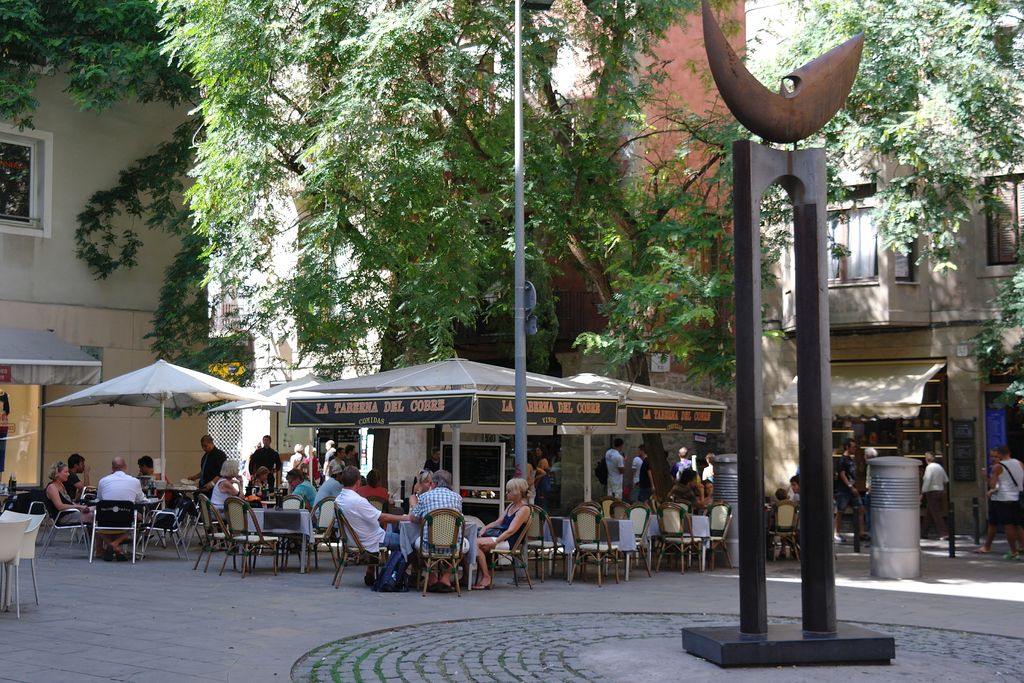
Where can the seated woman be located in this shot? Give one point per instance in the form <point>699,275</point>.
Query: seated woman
<point>227,484</point>
<point>373,489</point>
<point>503,532</point>
<point>690,491</point>
<point>57,499</point>
<point>259,485</point>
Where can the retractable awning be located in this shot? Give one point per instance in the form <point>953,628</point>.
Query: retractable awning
<point>885,390</point>
<point>42,357</point>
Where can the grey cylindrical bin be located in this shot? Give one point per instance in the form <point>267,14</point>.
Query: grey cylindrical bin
<point>727,488</point>
<point>895,518</point>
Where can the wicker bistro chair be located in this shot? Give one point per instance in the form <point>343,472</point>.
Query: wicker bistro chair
<point>379,503</point>
<point>719,518</point>
<point>606,505</point>
<point>350,549</point>
<point>212,532</point>
<point>441,538</point>
<point>239,516</point>
<point>618,510</point>
<point>593,542</point>
<point>640,516</point>
<point>325,528</point>
<point>542,544</point>
<point>293,502</point>
<point>676,533</point>
<point>516,555</point>
<point>784,529</point>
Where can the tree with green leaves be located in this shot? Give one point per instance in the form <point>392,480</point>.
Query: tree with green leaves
<point>938,97</point>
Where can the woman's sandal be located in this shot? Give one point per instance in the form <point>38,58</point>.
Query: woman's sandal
<point>981,551</point>
<point>482,587</point>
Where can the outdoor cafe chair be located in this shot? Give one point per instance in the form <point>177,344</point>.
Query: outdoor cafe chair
<point>606,505</point>
<point>115,515</point>
<point>640,516</point>
<point>249,544</point>
<point>66,520</point>
<point>12,535</point>
<point>676,535</point>
<point>618,510</point>
<point>293,502</point>
<point>542,544</point>
<point>324,528</point>
<point>441,539</point>
<point>212,532</point>
<point>719,518</point>
<point>783,533</point>
<point>350,549</point>
<point>516,556</point>
<point>593,542</point>
<point>164,523</point>
<point>28,545</point>
<point>378,502</point>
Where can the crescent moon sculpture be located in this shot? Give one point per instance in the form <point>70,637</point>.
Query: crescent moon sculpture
<point>819,89</point>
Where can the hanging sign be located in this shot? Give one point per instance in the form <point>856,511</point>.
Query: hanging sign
<point>5,374</point>
<point>542,410</point>
<point>662,419</point>
<point>380,412</point>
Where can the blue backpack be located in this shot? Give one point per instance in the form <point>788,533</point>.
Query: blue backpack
<point>392,578</point>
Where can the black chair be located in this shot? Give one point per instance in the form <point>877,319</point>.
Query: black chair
<point>173,523</point>
<point>114,515</point>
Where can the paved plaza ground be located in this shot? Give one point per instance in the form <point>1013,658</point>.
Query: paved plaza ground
<point>160,621</point>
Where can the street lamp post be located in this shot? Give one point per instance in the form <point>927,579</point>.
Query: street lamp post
<point>519,330</point>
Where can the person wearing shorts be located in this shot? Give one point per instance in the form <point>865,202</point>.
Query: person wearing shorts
<point>847,494</point>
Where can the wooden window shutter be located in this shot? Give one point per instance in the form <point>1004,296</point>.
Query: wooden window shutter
<point>1003,225</point>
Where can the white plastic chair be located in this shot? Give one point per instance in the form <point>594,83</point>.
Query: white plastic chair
<point>28,544</point>
<point>12,535</point>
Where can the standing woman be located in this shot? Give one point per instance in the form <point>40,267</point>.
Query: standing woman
<point>503,532</point>
<point>542,479</point>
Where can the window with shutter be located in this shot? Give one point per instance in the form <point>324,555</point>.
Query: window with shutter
<point>1004,222</point>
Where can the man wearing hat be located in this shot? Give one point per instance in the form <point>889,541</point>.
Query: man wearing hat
<point>332,485</point>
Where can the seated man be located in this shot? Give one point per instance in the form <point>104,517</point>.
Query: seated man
<point>332,484</point>
<point>690,491</point>
<point>298,485</point>
<point>365,520</point>
<point>118,485</point>
<point>433,495</point>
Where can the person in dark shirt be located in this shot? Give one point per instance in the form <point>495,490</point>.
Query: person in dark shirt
<point>433,463</point>
<point>266,456</point>
<point>645,484</point>
<point>75,484</point>
<point>846,491</point>
<point>209,467</point>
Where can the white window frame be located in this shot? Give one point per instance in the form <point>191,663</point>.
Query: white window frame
<point>41,182</point>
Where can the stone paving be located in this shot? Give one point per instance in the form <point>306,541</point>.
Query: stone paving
<point>161,621</point>
<point>562,647</point>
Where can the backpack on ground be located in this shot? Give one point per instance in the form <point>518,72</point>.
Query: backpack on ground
<point>392,577</point>
<point>602,471</point>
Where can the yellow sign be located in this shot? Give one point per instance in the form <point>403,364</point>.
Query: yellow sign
<point>227,371</point>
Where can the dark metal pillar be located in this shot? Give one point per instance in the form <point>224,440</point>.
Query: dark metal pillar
<point>749,390</point>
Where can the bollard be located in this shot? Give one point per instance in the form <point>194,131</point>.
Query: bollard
<point>952,535</point>
<point>976,511</point>
<point>896,519</point>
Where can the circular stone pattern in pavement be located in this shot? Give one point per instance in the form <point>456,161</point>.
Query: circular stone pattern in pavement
<point>613,647</point>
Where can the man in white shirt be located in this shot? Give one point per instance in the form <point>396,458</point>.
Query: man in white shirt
<point>616,467</point>
<point>708,473</point>
<point>118,485</point>
<point>366,520</point>
<point>635,466</point>
<point>933,492</point>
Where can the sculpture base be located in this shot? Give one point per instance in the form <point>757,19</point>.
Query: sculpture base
<point>787,644</point>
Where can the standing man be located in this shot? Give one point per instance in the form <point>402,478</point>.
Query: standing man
<point>682,464</point>
<point>847,494</point>
<point>616,467</point>
<point>635,465</point>
<point>75,484</point>
<point>1005,485</point>
<point>265,456</point>
<point>643,485</point>
<point>933,493</point>
<point>209,466</point>
<point>433,463</point>
<point>708,473</point>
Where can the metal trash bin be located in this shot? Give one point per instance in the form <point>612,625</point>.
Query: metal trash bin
<point>727,488</point>
<point>895,518</point>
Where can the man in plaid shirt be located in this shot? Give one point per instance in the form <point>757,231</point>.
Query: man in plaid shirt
<point>438,494</point>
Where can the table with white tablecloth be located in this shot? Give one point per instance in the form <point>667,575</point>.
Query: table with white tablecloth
<point>620,532</point>
<point>286,523</point>
<point>408,532</point>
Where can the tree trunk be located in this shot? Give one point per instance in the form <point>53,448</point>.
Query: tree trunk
<point>638,371</point>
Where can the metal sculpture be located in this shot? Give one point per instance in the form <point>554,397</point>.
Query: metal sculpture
<point>821,88</point>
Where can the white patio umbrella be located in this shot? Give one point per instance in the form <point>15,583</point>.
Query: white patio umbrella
<point>160,385</point>
<point>275,398</point>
